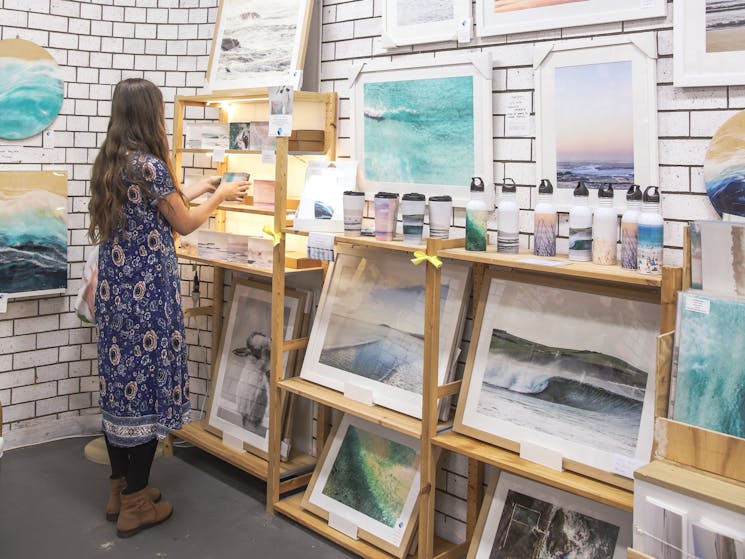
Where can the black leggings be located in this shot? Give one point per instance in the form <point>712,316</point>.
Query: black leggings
<point>132,463</point>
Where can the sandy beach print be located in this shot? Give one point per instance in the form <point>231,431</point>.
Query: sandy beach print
<point>725,25</point>
<point>516,5</point>
<point>414,12</point>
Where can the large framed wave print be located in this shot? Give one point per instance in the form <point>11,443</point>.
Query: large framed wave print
<point>570,371</point>
<point>259,43</point>
<point>423,125</point>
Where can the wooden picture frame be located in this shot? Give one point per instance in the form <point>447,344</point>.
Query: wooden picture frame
<point>566,118</point>
<point>563,13</point>
<point>405,23</point>
<point>507,490</point>
<point>226,409</point>
<point>33,226</point>
<point>369,328</point>
<point>704,53</point>
<point>236,19</point>
<point>392,535</point>
<point>399,107</point>
<point>551,367</point>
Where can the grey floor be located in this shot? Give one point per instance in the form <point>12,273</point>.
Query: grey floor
<point>52,506</point>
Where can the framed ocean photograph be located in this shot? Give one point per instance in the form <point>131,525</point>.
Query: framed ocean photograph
<point>596,114</point>
<point>423,125</point>
<point>33,233</point>
<point>411,22</point>
<point>521,518</point>
<point>501,17</point>
<point>259,43</point>
<point>571,371</point>
<point>708,377</point>
<point>239,399</point>
<point>708,42</point>
<point>724,169</point>
<point>368,475</point>
<point>369,328</point>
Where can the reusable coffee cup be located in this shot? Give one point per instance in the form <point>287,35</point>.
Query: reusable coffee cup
<point>386,212</point>
<point>354,204</point>
<point>412,215</point>
<point>440,216</point>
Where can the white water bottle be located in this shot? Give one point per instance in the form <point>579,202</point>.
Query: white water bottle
<point>630,227</point>
<point>580,225</point>
<point>651,233</point>
<point>605,229</point>
<point>508,220</point>
<point>476,216</point>
<point>546,221</point>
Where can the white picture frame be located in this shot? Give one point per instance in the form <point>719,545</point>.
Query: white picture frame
<point>246,372</point>
<point>371,308</point>
<point>516,391</point>
<point>566,13</point>
<point>256,23</point>
<point>694,64</point>
<point>379,528</point>
<point>513,493</point>
<point>412,22</point>
<point>393,128</point>
<point>639,101</point>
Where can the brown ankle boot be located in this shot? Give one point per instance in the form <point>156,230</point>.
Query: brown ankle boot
<point>139,512</point>
<point>116,486</point>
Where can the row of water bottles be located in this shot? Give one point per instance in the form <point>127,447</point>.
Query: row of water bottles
<point>593,233</point>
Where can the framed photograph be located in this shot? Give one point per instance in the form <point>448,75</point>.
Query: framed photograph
<point>596,114</point>
<point>501,17</point>
<point>239,400</point>
<point>369,476</point>
<point>570,371</point>
<point>708,42</point>
<point>411,22</point>
<point>33,233</point>
<point>424,126</point>
<point>660,529</point>
<point>321,206</point>
<point>522,518</point>
<point>369,329</point>
<point>717,543</point>
<point>207,135</point>
<point>259,43</point>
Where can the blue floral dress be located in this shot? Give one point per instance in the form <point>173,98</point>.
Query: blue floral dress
<point>141,343</point>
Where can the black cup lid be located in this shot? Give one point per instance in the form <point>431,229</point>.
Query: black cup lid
<point>634,193</point>
<point>444,198</point>
<point>509,188</point>
<point>606,191</point>
<point>386,195</point>
<point>651,194</point>
<point>581,189</point>
<point>414,196</point>
<point>545,187</point>
<point>477,185</point>
<point>353,193</point>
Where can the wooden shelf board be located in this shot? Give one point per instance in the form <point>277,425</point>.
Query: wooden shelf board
<point>376,414</point>
<point>511,462</point>
<point>255,94</point>
<point>292,508</point>
<point>237,267</point>
<point>246,151</point>
<point>586,270</point>
<point>365,241</point>
<point>241,208</point>
<point>632,553</point>
<point>720,491</point>
<point>195,434</point>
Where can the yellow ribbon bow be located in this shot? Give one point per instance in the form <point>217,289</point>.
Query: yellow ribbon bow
<point>421,256</point>
<point>276,237</point>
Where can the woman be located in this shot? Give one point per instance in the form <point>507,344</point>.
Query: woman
<point>136,204</point>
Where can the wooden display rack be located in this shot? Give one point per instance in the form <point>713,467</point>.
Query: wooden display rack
<point>287,476</point>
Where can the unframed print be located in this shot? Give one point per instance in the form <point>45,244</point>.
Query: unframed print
<point>721,246</point>
<point>725,25</point>
<point>33,232</point>
<point>501,6</point>
<point>708,543</point>
<point>556,367</point>
<point>724,168</point>
<point>662,531</point>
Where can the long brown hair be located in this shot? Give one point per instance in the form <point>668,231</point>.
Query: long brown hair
<point>137,125</point>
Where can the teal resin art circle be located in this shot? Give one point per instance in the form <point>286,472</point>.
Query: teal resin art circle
<point>31,89</point>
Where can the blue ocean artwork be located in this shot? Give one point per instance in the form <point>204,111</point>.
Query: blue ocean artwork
<point>33,241</point>
<point>727,190</point>
<point>419,131</point>
<point>710,378</point>
<point>31,94</point>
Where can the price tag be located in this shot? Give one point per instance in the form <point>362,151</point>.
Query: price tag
<point>626,466</point>
<point>3,303</point>
<point>321,246</point>
<point>464,30</point>
<point>697,304</point>
<point>218,154</point>
<point>267,156</point>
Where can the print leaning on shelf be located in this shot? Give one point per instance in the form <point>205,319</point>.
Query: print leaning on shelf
<point>718,257</point>
<point>567,370</point>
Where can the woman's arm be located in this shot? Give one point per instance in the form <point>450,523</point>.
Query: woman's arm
<point>185,219</point>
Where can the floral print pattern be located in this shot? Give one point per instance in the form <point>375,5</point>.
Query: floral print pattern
<point>141,355</point>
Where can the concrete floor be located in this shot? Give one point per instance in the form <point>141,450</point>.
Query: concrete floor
<point>52,504</point>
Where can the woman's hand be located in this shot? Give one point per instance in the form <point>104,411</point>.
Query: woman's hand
<point>205,185</point>
<point>232,191</point>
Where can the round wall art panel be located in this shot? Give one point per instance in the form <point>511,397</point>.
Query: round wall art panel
<point>724,167</point>
<point>31,89</point>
